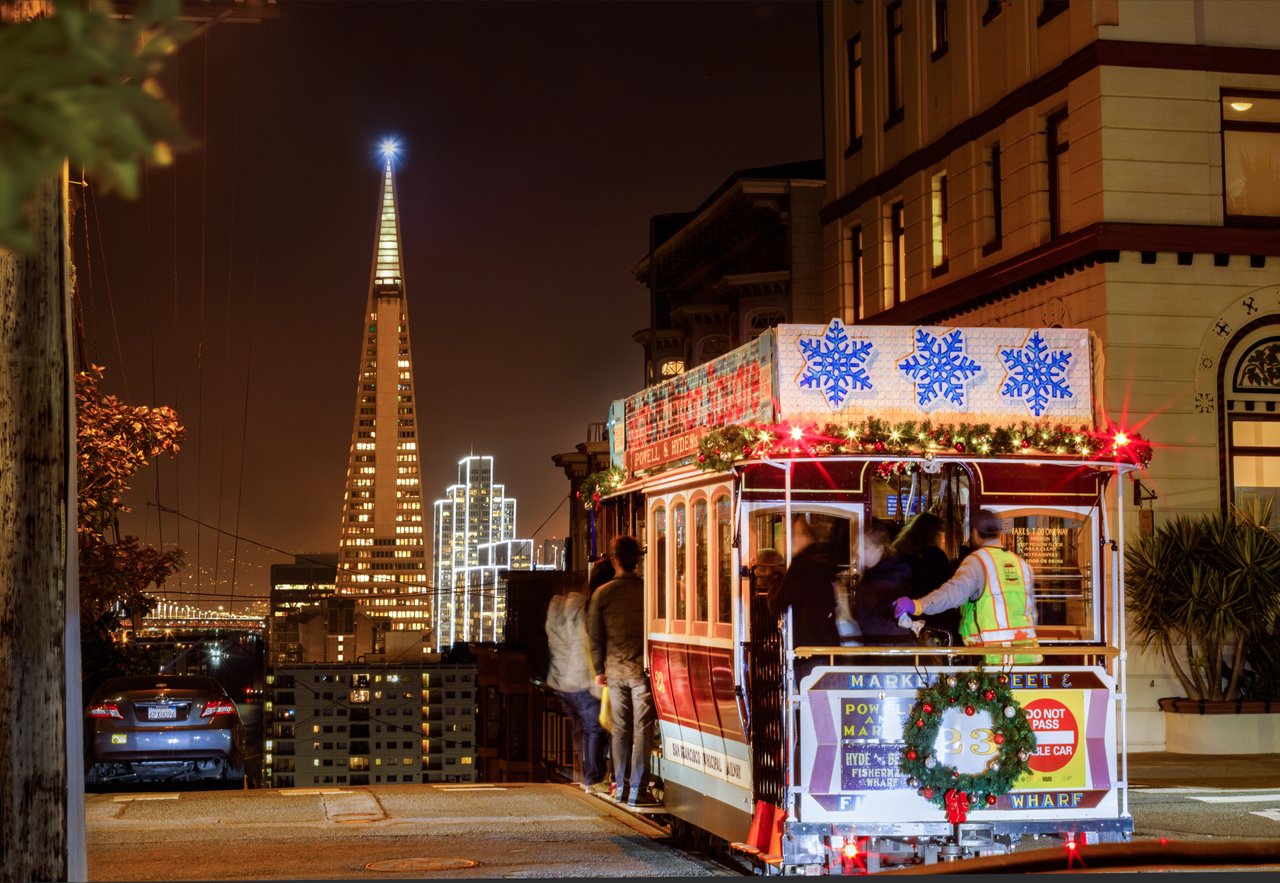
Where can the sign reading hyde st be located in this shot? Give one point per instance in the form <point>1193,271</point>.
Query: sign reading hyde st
<point>666,421</point>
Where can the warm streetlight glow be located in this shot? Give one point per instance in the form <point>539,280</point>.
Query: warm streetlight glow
<point>389,148</point>
<point>797,433</point>
<point>1241,106</point>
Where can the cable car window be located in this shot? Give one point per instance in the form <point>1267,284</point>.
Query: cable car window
<point>701,564</point>
<point>680,535</point>
<point>660,556</point>
<point>1059,547</point>
<point>724,560</point>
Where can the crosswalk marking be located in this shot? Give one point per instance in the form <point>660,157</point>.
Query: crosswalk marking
<point>1235,798</point>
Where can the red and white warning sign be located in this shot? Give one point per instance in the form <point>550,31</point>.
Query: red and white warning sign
<point>1057,734</point>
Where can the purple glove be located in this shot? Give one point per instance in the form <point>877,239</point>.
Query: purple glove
<point>904,606</point>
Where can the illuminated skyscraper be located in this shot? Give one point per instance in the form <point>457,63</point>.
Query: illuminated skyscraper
<point>383,540</point>
<point>475,513</point>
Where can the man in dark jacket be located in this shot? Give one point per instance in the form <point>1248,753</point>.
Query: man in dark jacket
<point>615,622</point>
<point>809,585</point>
<point>885,576</point>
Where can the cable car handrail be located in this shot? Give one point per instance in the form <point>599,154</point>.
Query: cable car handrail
<point>896,650</point>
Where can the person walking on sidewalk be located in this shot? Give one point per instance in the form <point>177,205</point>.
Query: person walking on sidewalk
<point>571,675</point>
<point>994,590</point>
<point>615,621</point>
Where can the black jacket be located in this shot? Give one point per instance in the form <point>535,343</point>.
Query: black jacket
<point>873,600</point>
<point>807,589</point>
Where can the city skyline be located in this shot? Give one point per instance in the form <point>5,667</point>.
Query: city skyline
<point>527,182</point>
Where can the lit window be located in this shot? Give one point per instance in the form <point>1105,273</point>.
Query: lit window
<point>1251,154</point>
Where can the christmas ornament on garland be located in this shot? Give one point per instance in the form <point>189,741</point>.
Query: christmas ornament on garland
<point>977,694</point>
<point>597,484</point>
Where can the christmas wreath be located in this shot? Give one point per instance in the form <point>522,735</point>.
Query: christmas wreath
<point>968,694</point>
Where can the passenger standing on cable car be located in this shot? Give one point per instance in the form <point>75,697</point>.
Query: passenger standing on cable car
<point>570,673</point>
<point>995,591</point>
<point>808,589</point>
<point>615,621</point>
<point>920,542</point>
<point>885,574</point>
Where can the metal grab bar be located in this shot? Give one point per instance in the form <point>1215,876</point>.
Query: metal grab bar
<point>994,650</point>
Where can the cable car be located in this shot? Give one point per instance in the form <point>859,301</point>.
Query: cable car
<point>806,759</point>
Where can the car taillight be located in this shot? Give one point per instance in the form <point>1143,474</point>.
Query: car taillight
<point>218,706</point>
<point>106,709</point>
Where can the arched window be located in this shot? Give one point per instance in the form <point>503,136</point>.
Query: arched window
<point>701,564</point>
<point>680,530</point>
<point>1252,396</point>
<point>762,320</point>
<point>724,560</point>
<point>660,561</point>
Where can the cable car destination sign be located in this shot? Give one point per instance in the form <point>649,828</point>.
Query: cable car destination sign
<point>839,373</point>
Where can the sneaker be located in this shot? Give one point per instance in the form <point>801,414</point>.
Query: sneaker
<point>643,800</point>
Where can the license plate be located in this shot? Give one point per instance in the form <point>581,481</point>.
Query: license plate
<point>162,714</point>
<point>119,738</point>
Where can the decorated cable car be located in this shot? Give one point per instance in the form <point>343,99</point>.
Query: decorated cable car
<point>858,756</point>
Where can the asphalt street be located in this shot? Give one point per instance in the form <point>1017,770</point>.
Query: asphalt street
<point>547,830</point>
<point>406,832</point>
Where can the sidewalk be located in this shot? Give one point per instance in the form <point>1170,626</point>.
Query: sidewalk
<point>1160,769</point>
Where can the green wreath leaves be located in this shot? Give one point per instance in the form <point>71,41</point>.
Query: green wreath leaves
<point>1010,734</point>
<point>597,484</point>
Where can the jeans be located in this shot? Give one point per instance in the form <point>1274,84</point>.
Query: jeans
<point>633,728</point>
<point>589,736</point>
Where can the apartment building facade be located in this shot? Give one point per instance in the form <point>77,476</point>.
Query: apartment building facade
<point>1106,164</point>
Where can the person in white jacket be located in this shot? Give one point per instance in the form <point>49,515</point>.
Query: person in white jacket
<point>572,676</point>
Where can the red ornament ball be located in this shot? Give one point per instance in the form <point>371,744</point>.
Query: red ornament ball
<point>968,709</point>
<point>998,738</point>
<point>991,800</point>
<point>919,722</point>
<point>951,699</point>
<point>989,695</point>
<point>1025,443</point>
<point>1002,680</point>
<point>879,446</point>
<point>960,447</point>
<point>926,793</point>
<point>911,754</point>
<point>928,708</point>
<point>955,774</point>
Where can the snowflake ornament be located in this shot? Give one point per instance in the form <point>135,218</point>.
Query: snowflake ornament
<point>939,368</point>
<point>1036,373</point>
<point>835,364</point>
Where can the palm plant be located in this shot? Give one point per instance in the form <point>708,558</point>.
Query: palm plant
<point>1199,588</point>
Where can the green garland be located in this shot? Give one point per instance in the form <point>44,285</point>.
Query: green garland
<point>720,448</point>
<point>1011,736</point>
<point>597,484</point>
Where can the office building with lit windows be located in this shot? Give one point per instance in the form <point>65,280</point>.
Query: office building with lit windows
<point>382,542</point>
<point>472,541</point>
<point>360,724</point>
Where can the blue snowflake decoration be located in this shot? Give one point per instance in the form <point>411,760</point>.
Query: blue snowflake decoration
<point>1036,373</point>
<point>835,364</point>
<point>939,368</point>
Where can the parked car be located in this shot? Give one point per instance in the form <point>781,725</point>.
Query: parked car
<point>163,728</point>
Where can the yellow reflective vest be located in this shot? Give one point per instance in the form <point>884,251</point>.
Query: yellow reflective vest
<point>1004,614</point>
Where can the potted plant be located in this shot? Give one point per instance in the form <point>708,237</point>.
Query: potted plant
<point>1205,593</point>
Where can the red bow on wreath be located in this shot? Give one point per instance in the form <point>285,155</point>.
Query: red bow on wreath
<point>957,806</point>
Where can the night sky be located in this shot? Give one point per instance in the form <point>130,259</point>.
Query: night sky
<point>538,137</point>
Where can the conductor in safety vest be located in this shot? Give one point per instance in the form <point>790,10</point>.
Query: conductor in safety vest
<point>994,590</point>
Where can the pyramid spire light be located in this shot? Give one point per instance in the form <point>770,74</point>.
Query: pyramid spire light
<point>386,264</point>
